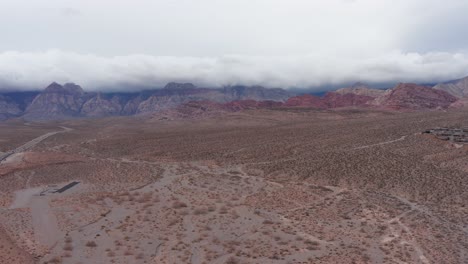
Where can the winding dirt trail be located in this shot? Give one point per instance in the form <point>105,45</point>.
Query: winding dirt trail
<point>32,143</point>
<point>381,143</point>
<point>45,225</point>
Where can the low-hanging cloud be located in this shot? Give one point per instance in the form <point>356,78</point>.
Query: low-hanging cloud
<point>35,70</point>
<point>290,44</point>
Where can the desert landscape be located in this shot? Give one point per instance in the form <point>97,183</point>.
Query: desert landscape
<point>234,132</point>
<point>294,185</point>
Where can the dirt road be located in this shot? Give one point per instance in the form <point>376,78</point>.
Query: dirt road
<point>44,221</point>
<point>382,143</point>
<point>32,143</point>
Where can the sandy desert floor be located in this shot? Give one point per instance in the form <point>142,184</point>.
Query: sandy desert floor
<point>276,186</point>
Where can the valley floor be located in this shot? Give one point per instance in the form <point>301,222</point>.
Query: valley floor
<point>251,187</point>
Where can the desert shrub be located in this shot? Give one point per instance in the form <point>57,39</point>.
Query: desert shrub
<point>178,205</point>
<point>232,260</point>
<point>311,242</point>
<point>55,260</point>
<point>91,244</point>
<point>199,211</point>
<point>223,210</point>
<point>68,247</point>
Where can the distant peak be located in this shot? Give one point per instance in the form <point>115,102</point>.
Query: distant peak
<point>53,87</point>
<point>68,87</point>
<point>54,84</point>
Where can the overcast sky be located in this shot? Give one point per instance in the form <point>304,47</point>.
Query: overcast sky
<point>281,43</point>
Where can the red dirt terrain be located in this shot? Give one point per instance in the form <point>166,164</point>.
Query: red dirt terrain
<point>10,252</point>
<point>256,185</point>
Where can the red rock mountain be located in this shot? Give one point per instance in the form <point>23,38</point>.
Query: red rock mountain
<point>305,100</point>
<point>330,100</point>
<point>336,100</point>
<point>415,97</point>
<point>69,100</point>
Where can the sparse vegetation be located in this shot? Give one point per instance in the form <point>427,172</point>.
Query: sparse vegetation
<point>314,188</point>
<point>91,244</point>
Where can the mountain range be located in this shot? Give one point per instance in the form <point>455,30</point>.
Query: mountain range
<point>71,101</point>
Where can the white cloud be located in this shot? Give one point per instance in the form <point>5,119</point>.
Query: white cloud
<point>70,12</point>
<point>36,70</point>
<point>302,43</point>
<point>217,27</point>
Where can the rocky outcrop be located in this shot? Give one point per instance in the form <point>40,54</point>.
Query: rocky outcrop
<point>361,89</point>
<point>174,94</point>
<point>131,107</point>
<point>457,88</point>
<point>305,100</point>
<point>198,109</point>
<point>100,106</point>
<point>57,102</point>
<point>251,104</point>
<point>192,109</point>
<point>157,103</point>
<point>257,93</point>
<point>330,100</point>
<point>337,100</point>
<point>415,97</point>
<point>70,101</point>
<point>8,108</point>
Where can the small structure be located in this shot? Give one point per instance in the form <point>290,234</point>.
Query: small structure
<point>459,135</point>
<point>66,187</point>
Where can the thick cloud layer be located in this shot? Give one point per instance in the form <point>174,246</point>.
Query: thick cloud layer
<point>36,70</point>
<point>287,43</point>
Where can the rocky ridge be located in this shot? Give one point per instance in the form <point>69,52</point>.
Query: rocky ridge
<point>71,101</point>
